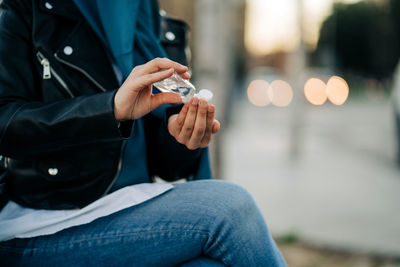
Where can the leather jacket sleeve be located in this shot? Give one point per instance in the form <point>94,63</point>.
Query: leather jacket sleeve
<point>28,125</point>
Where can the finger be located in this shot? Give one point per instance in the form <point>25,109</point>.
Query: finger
<point>188,125</point>
<point>182,115</point>
<point>210,118</point>
<point>149,79</point>
<point>200,125</point>
<point>216,126</point>
<point>207,137</point>
<point>164,98</point>
<point>172,126</point>
<point>178,120</point>
<point>158,64</point>
<point>186,75</point>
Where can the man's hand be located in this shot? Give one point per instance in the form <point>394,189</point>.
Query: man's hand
<point>194,125</point>
<point>135,99</point>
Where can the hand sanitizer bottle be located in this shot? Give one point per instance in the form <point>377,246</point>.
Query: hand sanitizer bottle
<point>176,84</point>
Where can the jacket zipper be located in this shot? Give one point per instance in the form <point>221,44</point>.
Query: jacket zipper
<point>118,170</point>
<point>104,90</point>
<point>80,70</point>
<point>48,71</point>
<point>46,65</point>
<point>6,161</point>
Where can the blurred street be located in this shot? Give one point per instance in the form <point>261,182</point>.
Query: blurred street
<point>343,189</point>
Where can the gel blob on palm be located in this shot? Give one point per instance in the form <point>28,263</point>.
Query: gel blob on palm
<point>176,84</point>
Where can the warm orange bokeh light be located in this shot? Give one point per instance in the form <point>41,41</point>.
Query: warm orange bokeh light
<point>280,93</point>
<point>337,90</point>
<point>315,91</point>
<point>257,92</point>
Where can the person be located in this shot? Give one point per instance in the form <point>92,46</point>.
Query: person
<point>83,133</point>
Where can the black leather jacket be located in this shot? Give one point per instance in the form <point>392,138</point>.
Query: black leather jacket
<point>58,134</point>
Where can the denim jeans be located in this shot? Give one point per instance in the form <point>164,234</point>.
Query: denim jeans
<point>199,223</point>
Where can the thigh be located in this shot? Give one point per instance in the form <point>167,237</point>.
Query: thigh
<point>168,230</point>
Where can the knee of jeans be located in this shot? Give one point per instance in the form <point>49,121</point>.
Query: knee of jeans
<point>235,204</point>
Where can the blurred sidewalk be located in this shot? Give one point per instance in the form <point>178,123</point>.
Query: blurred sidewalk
<point>343,191</point>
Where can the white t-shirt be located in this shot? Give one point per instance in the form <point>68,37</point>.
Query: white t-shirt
<point>20,222</point>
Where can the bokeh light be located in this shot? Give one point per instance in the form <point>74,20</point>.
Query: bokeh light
<point>271,26</point>
<point>257,92</point>
<point>337,90</point>
<point>315,91</point>
<point>280,93</point>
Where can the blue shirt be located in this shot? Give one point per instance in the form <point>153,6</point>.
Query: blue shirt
<point>127,29</point>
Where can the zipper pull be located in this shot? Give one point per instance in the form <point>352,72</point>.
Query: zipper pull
<point>46,69</point>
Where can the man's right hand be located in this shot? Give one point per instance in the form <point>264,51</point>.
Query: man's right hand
<point>134,98</point>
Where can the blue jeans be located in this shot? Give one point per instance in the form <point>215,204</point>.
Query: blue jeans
<point>199,223</point>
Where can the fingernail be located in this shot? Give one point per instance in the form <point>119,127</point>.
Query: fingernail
<point>195,101</point>
<point>203,104</point>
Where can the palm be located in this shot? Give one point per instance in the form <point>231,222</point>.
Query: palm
<point>142,102</point>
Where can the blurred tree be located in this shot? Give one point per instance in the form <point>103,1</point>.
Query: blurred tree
<point>362,38</point>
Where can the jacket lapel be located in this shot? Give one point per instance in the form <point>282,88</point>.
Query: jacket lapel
<point>64,8</point>
<point>82,49</point>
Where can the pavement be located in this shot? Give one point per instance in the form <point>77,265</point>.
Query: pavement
<point>342,190</point>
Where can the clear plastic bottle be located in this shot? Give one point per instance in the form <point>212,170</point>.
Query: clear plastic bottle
<point>177,84</point>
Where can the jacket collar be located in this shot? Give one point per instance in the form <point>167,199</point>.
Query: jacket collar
<point>88,58</point>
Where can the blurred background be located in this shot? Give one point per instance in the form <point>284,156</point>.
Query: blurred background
<point>307,92</point>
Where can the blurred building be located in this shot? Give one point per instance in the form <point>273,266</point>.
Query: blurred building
<point>192,13</point>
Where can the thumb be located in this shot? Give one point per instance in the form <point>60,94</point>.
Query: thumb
<point>164,98</point>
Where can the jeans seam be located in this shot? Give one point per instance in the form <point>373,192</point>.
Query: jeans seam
<point>64,245</point>
<point>104,237</point>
